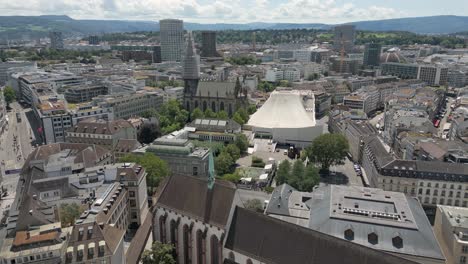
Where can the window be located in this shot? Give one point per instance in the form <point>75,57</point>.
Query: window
<point>372,238</point>
<point>195,171</point>
<point>451,186</point>
<point>131,194</point>
<point>428,192</point>
<point>436,192</point>
<point>444,185</point>
<point>397,242</point>
<point>462,259</point>
<point>215,250</point>
<point>201,247</point>
<point>132,203</point>
<point>464,249</point>
<point>443,193</point>
<point>450,194</point>
<point>187,244</point>
<point>349,234</point>
<point>420,191</point>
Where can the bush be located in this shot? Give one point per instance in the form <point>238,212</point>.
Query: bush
<point>257,162</point>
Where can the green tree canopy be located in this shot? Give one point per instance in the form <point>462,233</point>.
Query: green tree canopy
<point>298,176</point>
<point>257,162</point>
<point>69,213</point>
<point>232,177</point>
<point>223,115</point>
<point>9,94</point>
<point>238,118</point>
<point>242,143</point>
<point>148,133</point>
<point>209,113</point>
<point>156,168</point>
<point>254,205</point>
<point>196,114</point>
<point>282,174</point>
<point>328,149</point>
<point>233,151</point>
<point>224,163</point>
<point>159,254</point>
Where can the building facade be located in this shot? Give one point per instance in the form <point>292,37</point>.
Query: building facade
<point>344,37</point>
<point>172,39</point>
<point>372,54</point>
<point>56,40</point>
<point>208,48</point>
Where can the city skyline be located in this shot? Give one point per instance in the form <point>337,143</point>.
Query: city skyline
<point>238,11</point>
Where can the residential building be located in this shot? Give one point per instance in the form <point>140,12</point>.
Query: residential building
<point>207,129</point>
<point>126,105</point>
<point>289,74</point>
<point>3,113</point>
<point>372,53</point>
<point>345,65</point>
<point>386,221</point>
<point>451,230</point>
<point>457,78</point>
<point>84,93</point>
<point>208,44</point>
<point>174,93</point>
<point>433,182</point>
<point>54,120</point>
<point>172,39</point>
<point>9,67</point>
<point>433,75</point>
<point>93,40</point>
<point>56,40</point>
<point>47,244</point>
<point>319,55</point>
<point>344,37</point>
<point>101,132</point>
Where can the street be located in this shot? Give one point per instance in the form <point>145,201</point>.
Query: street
<point>14,149</point>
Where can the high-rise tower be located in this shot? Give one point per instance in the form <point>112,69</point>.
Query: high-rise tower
<point>172,39</point>
<point>191,68</point>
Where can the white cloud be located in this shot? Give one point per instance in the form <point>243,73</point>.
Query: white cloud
<point>227,11</point>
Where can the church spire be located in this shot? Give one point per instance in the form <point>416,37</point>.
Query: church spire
<point>191,66</point>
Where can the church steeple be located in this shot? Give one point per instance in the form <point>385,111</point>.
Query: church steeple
<point>191,67</point>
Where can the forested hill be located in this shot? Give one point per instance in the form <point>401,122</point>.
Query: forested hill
<point>30,27</point>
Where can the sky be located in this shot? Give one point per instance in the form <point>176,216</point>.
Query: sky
<point>237,11</point>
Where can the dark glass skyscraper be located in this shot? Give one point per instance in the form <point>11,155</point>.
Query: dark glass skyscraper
<point>208,48</point>
<point>372,54</point>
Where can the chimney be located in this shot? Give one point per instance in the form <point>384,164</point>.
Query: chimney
<point>28,235</point>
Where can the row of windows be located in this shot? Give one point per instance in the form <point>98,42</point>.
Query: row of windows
<point>441,201</point>
<point>435,192</point>
<point>31,258</point>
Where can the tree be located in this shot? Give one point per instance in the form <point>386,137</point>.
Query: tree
<point>196,114</point>
<point>328,149</point>
<point>282,174</point>
<point>238,118</point>
<point>69,213</point>
<point>172,116</point>
<point>243,114</point>
<point>233,151</point>
<point>257,162</point>
<point>310,178</point>
<point>209,113</point>
<point>148,133</point>
<point>156,168</point>
<point>252,109</point>
<point>223,115</point>
<point>224,163</point>
<point>242,143</point>
<point>9,95</point>
<point>232,177</point>
<point>254,205</point>
<point>159,254</point>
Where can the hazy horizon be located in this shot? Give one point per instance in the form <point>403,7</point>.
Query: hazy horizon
<point>237,11</point>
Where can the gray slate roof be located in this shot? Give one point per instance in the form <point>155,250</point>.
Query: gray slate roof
<point>216,89</point>
<point>271,240</point>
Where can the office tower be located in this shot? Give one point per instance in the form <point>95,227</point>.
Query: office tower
<point>344,38</point>
<point>208,44</point>
<point>56,40</point>
<point>172,39</point>
<point>93,40</point>
<point>372,54</point>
